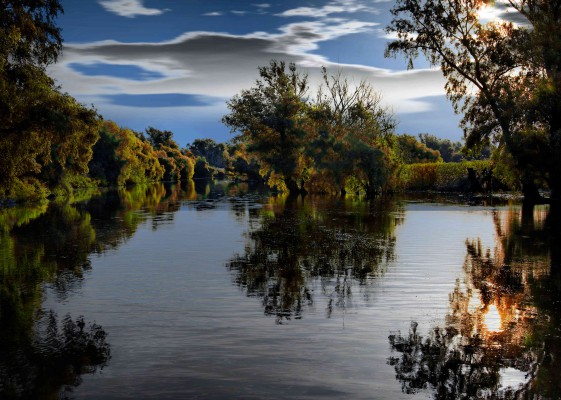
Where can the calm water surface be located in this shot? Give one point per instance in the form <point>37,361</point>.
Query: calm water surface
<point>217,291</point>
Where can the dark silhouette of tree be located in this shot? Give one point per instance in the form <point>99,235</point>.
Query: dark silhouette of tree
<point>496,74</point>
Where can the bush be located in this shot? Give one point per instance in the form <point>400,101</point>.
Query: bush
<point>440,176</point>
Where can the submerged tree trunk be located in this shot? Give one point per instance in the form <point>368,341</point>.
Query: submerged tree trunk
<point>293,188</point>
<point>530,191</point>
<point>554,227</point>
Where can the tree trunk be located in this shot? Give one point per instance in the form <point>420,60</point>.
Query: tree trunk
<point>530,190</point>
<point>554,227</point>
<point>293,188</point>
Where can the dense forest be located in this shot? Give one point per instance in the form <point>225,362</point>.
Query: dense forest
<point>337,138</point>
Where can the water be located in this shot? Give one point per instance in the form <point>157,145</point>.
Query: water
<point>219,291</point>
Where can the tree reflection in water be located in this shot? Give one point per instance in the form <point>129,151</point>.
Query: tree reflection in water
<point>504,320</point>
<point>50,244</point>
<point>295,242</point>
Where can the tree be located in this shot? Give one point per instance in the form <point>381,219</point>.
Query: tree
<point>122,158</point>
<point>44,133</point>
<point>159,138</point>
<point>215,153</point>
<point>413,151</point>
<point>352,134</point>
<point>270,118</point>
<point>177,164</point>
<point>491,71</point>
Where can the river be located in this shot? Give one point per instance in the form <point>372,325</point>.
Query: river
<point>219,290</point>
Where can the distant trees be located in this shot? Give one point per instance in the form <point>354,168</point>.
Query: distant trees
<point>123,157</point>
<point>413,151</point>
<point>215,153</point>
<point>505,78</point>
<point>177,164</point>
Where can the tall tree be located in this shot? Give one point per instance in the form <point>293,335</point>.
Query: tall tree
<point>270,117</point>
<point>353,134</point>
<point>491,70</point>
<point>44,133</point>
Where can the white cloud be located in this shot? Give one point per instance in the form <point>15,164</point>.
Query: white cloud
<point>220,65</point>
<point>129,8</point>
<point>334,7</point>
<point>214,14</point>
<point>262,5</point>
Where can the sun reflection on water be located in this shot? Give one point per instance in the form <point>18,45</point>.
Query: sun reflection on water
<point>492,319</point>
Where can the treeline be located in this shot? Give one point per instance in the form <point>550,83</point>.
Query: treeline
<point>338,139</point>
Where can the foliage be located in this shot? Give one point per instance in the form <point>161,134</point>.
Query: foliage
<point>505,78</point>
<point>318,145</point>
<point>270,118</point>
<point>412,151</point>
<point>177,164</point>
<point>215,153</point>
<point>441,176</point>
<point>203,169</point>
<point>123,158</point>
<point>242,164</point>
<point>351,136</point>
<point>45,135</point>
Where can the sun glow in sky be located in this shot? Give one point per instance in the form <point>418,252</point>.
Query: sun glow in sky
<point>172,64</point>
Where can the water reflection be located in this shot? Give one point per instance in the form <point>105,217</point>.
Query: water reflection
<point>299,249</point>
<point>502,336</point>
<point>51,244</point>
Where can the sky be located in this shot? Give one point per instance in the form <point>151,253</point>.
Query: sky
<point>173,64</point>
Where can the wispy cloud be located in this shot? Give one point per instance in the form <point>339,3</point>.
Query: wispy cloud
<point>214,14</point>
<point>129,8</point>
<point>334,7</point>
<point>220,65</point>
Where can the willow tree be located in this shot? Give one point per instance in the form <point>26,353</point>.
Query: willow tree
<point>270,118</point>
<point>499,74</point>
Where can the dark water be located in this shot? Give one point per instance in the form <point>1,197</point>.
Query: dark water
<point>218,291</point>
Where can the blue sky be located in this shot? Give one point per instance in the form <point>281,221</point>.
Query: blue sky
<point>172,64</point>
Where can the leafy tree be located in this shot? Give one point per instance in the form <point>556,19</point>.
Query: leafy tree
<point>177,165</point>
<point>504,77</point>
<point>122,158</point>
<point>412,151</point>
<point>215,153</point>
<point>203,169</point>
<point>159,138</point>
<point>353,134</point>
<point>45,134</point>
<point>270,119</point>
<point>450,151</point>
